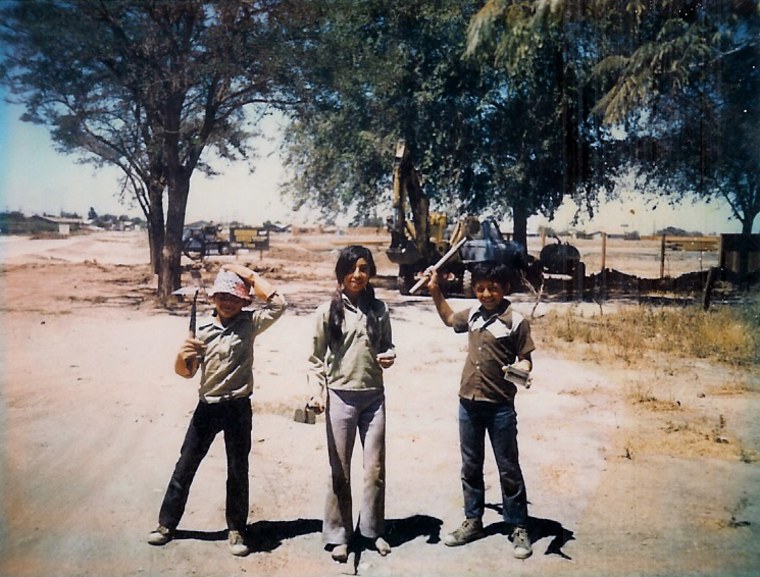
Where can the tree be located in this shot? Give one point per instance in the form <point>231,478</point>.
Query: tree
<point>679,82</point>
<point>381,72</point>
<point>485,137</point>
<point>547,51</point>
<point>695,126</point>
<point>148,86</point>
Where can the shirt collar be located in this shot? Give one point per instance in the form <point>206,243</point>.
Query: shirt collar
<point>348,303</point>
<point>481,312</point>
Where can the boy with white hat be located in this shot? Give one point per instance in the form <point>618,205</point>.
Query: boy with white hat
<point>223,350</point>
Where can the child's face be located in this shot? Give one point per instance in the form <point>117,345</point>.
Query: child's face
<point>228,306</point>
<point>357,280</point>
<point>489,293</point>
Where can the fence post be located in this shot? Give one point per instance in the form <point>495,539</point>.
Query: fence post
<point>662,257</point>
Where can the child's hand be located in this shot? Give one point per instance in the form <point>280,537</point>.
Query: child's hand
<point>189,357</point>
<point>245,273</point>
<point>192,349</point>
<point>386,359</point>
<point>523,365</point>
<point>432,276</point>
<point>316,404</point>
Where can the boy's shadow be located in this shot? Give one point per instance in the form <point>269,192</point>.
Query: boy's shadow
<point>261,536</point>
<point>537,529</point>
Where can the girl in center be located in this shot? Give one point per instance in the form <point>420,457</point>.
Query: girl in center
<point>352,346</point>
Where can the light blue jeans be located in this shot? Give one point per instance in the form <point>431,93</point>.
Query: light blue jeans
<point>349,412</point>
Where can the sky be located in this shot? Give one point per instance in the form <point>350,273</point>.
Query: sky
<point>35,179</point>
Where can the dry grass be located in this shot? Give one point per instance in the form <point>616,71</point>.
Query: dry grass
<point>727,334</point>
<point>667,347</point>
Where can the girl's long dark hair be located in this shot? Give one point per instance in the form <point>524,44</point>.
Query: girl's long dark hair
<point>346,263</point>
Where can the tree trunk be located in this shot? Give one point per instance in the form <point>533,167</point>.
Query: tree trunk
<point>170,270</point>
<point>744,250</point>
<point>156,232</point>
<point>156,239</point>
<point>520,226</point>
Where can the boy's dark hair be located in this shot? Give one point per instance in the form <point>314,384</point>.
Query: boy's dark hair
<point>346,262</point>
<point>493,271</point>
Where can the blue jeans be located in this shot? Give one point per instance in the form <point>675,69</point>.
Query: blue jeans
<point>500,420</point>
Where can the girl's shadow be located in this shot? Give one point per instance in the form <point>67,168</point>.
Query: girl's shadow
<point>398,532</point>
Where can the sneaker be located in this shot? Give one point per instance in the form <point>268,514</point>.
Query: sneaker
<point>521,543</point>
<point>237,544</point>
<point>340,553</point>
<point>470,530</point>
<point>160,536</point>
<point>382,547</point>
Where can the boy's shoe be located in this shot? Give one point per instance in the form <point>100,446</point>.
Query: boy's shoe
<point>160,536</point>
<point>521,543</point>
<point>382,547</point>
<point>237,544</point>
<point>340,553</point>
<point>470,530</point>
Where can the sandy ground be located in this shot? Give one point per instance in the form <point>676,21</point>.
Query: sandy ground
<point>646,470</point>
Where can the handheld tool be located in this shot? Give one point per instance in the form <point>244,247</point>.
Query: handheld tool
<point>442,261</point>
<point>193,313</point>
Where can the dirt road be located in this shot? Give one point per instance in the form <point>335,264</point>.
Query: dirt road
<point>93,417</point>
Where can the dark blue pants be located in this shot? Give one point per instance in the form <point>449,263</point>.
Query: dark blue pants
<point>500,421</point>
<point>234,418</point>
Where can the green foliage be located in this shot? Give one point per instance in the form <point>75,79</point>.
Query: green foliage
<point>484,138</point>
<point>677,80</point>
<point>379,72</point>
<point>686,91</point>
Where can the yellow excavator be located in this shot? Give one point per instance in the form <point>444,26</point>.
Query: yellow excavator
<point>420,243</point>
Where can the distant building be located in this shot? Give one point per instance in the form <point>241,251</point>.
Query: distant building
<point>53,224</point>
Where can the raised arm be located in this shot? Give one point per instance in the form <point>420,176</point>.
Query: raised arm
<point>262,288</point>
<point>443,307</point>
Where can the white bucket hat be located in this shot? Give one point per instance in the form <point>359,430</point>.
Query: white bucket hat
<point>228,282</point>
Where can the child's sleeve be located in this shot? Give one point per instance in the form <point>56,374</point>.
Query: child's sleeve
<point>272,310</point>
<point>525,344</point>
<point>317,372</point>
<point>460,322</point>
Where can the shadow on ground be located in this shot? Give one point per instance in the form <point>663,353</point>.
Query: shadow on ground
<point>538,529</point>
<point>262,536</point>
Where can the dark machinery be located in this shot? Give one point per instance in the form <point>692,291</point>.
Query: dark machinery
<point>420,243</point>
<point>560,258</point>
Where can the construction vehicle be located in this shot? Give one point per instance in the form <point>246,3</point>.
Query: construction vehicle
<point>560,258</point>
<point>198,242</point>
<point>418,244</point>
